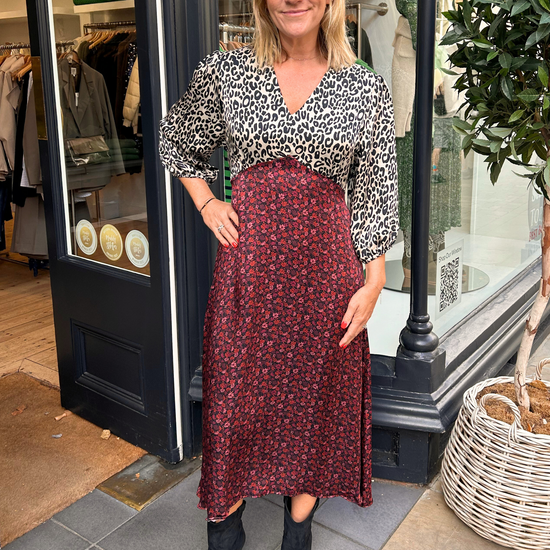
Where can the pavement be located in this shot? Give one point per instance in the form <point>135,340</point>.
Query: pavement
<point>403,517</point>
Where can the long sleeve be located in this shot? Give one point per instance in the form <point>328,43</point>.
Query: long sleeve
<point>109,127</point>
<point>132,99</point>
<point>372,186</point>
<point>194,127</point>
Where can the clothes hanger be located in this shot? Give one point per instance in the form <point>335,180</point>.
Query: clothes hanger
<point>23,71</point>
<point>72,57</point>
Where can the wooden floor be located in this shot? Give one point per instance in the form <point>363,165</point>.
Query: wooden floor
<point>27,339</point>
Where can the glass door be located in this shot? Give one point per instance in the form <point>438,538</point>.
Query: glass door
<point>99,67</point>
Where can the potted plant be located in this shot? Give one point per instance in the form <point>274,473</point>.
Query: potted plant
<point>496,472</point>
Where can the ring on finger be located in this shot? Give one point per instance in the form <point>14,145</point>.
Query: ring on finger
<point>220,227</point>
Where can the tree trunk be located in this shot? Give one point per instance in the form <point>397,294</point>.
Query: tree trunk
<point>533,321</point>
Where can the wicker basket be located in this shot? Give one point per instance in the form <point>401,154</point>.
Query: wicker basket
<point>496,476</point>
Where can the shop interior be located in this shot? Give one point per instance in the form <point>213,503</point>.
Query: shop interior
<point>104,182</point>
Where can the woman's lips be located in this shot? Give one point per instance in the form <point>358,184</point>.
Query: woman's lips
<point>295,12</point>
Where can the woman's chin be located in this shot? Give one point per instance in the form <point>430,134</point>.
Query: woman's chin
<point>297,29</point>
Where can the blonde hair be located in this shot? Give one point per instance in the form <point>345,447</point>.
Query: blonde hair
<point>332,39</point>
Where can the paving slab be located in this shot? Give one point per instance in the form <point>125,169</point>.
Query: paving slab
<point>326,539</point>
<point>95,515</point>
<point>432,525</point>
<point>49,536</point>
<point>374,525</point>
<point>173,522</point>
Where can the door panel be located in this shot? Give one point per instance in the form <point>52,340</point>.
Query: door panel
<point>106,211</point>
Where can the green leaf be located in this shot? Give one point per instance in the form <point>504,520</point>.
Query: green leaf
<point>494,25</point>
<point>546,174</point>
<point>492,55</point>
<point>482,43</point>
<point>507,87</point>
<point>447,71</point>
<point>517,63</point>
<point>519,7</point>
<point>505,60</point>
<point>516,116</point>
<point>529,42</point>
<point>513,148</point>
<point>545,4</point>
<point>482,142</point>
<point>542,32</point>
<point>495,172</point>
<point>452,15</point>
<point>513,35</point>
<point>495,146</point>
<point>500,132</point>
<point>451,38</point>
<point>531,64</point>
<point>543,75</point>
<point>462,124</point>
<point>529,95</point>
<point>526,176</point>
<point>532,169</point>
<point>537,7</point>
<point>467,141</point>
<point>546,103</point>
<point>467,13</point>
<point>544,19</point>
<point>538,125</point>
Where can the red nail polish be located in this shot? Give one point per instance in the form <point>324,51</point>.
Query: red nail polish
<point>343,345</point>
<point>226,245</point>
<point>234,245</point>
<point>344,324</point>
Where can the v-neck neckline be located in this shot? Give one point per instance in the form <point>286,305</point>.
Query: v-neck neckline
<point>311,96</point>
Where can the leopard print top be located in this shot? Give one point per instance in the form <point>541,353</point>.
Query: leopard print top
<point>344,131</point>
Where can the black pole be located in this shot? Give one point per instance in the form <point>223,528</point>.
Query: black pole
<point>417,336</point>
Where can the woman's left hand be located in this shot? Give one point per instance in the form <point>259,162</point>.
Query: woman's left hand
<point>362,303</point>
<point>359,311</point>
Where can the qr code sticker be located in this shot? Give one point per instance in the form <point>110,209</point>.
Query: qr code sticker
<point>449,284</point>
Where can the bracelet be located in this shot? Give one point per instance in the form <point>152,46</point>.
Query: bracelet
<point>210,199</point>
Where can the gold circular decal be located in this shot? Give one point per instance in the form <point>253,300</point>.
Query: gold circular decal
<point>111,242</point>
<point>137,248</point>
<point>86,237</point>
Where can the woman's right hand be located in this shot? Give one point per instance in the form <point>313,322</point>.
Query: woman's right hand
<point>217,213</point>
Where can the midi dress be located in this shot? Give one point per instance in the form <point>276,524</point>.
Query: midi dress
<point>285,410</point>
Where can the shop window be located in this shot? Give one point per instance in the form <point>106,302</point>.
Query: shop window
<point>100,117</point>
<point>481,235</point>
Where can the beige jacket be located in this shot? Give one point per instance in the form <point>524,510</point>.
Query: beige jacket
<point>403,77</point>
<point>132,100</point>
<point>9,99</point>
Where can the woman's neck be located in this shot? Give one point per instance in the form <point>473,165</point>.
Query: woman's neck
<point>303,47</point>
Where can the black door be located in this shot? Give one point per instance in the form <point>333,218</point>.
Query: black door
<point>99,86</point>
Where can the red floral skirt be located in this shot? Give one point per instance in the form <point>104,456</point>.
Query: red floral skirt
<point>285,409</point>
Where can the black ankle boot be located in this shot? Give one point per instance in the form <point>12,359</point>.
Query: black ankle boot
<point>297,536</point>
<point>229,533</point>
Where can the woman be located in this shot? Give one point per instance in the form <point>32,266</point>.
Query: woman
<point>286,365</point>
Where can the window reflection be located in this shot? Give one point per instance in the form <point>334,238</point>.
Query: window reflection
<point>98,77</point>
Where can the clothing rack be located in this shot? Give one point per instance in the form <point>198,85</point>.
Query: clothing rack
<point>18,46</point>
<point>381,8</point>
<point>225,15</point>
<point>226,28</point>
<point>109,25</point>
